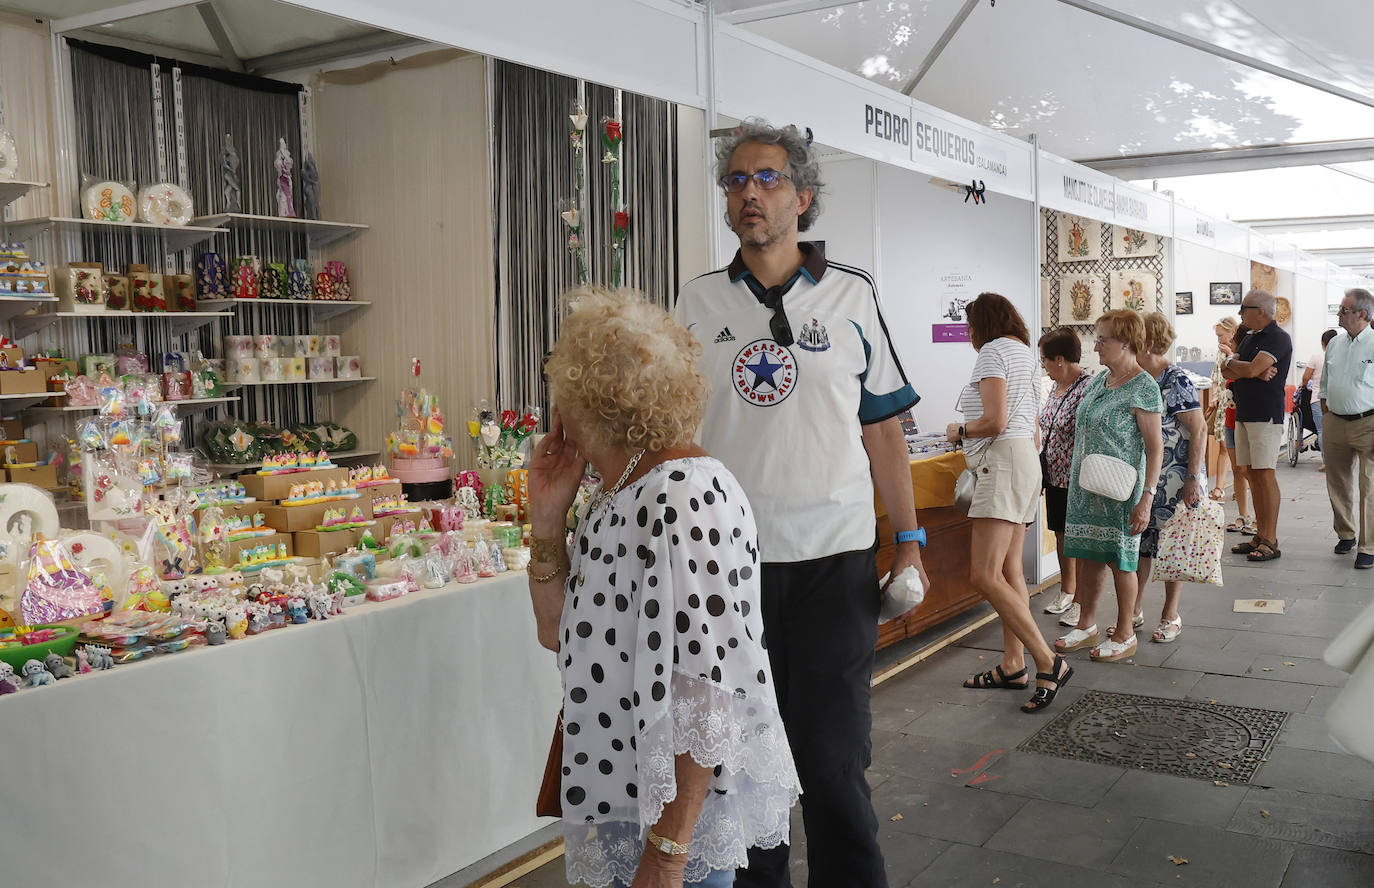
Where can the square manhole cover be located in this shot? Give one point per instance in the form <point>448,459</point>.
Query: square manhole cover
<point>1186,738</point>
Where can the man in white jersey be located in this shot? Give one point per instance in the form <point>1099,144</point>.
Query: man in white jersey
<point>807,421</point>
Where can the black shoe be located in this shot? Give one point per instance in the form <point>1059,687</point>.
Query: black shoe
<point>1344,547</point>
<point>1364,561</point>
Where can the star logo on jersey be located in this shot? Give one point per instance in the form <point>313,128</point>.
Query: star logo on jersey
<point>723,336</point>
<point>764,373</point>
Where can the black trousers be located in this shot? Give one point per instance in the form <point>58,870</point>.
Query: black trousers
<point>820,622</point>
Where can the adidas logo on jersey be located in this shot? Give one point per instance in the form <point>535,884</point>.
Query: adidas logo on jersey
<point>725,335</point>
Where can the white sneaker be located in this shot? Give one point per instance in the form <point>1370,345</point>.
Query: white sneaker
<point>1060,604</point>
<point>1071,616</point>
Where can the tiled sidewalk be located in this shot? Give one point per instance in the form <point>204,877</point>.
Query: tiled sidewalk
<point>958,805</point>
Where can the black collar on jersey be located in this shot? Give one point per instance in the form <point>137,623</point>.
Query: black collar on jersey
<point>813,266</point>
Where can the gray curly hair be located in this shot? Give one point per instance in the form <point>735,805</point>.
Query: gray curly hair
<point>802,165</point>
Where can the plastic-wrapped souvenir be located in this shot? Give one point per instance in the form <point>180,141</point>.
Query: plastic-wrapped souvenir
<point>55,590</point>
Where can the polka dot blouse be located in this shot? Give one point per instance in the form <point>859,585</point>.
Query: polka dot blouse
<point>662,653</point>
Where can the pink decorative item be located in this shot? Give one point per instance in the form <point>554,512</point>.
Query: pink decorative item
<point>176,386</point>
<point>55,590</point>
<point>339,273</point>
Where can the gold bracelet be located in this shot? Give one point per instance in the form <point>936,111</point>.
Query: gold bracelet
<point>558,569</point>
<point>548,550</point>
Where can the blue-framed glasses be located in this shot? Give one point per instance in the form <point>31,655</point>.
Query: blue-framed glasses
<point>734,183</point>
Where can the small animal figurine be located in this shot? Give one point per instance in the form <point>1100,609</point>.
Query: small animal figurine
<point>298,612</point>
<point>99,656</point>
<point>83,662</point>
<point>276,614</point>
<point>236,622</point>
<point>35,675</point>
<point>215,633</point>
<point>258,619</point>
<point>58,666</point>
<point>319,605</point>
<point>8,683</point>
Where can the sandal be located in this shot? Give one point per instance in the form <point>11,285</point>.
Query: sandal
<point>1077,639</point>
<point>1246,547</point>
<point>1137,621</point>
<point>1045,696</point>
<point>1239,525</point>
<point>1113,650</point>
<point>1217,494</point>
<point>1265,550</point>
<point>1168,630</point>
<point>996,678</point>
<point>1250,527</point>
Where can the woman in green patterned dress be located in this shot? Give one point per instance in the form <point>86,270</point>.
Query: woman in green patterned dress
<point>1119,417</point>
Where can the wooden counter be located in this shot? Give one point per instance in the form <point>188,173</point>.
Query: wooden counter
<point>946,556</point>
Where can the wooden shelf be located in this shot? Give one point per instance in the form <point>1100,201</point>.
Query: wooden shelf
<point>336,381</point>
<point>334,457</point>
<point>321,308</point>
<point>318,232</point>
<point>192,405</point>
<point>15,189</point>
<point>181,321</point>
<point>178,237</point>
<point>11,403</point>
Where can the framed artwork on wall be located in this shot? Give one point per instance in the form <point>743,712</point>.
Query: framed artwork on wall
<point>1134,289</point>
<point>1225,293</point>
<point>1131,242</point>
<point>1080,298</point>
<point>1183,303</point>
<point>1080,240</point>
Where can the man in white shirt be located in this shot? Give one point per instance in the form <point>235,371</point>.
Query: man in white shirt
<point>806,394</point>
<point>1347,398</point>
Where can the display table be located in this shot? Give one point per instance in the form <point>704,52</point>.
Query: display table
<point>389,747</point>
<point>946,556</point>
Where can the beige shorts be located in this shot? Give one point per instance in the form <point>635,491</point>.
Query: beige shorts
<point>1008,482</point>
<point>1257,444</point>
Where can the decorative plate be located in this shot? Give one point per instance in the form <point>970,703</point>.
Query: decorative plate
<point>165,203</point>
<point>9,156</point>
<point>1283,311</point>
<point>109,202</point>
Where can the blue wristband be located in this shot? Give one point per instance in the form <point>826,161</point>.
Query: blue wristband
<point>912,536</point>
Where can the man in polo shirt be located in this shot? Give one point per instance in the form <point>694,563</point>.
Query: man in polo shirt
<point>1259,367</point>
<point>1347,402</point>
<point>806,391</point>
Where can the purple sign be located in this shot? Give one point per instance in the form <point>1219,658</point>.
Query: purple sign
<point>949,333</point>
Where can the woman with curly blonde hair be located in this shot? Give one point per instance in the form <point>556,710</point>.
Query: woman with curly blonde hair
<point>675,761</point>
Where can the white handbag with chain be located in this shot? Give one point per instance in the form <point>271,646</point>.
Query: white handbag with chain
<point>1350,717</point>
<point>1107,476</point>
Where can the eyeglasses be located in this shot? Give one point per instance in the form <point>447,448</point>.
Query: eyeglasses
<point>1348,311</point>
<point>1245,308</point>
<point>734,183</point>
<point>1103,340</point>
<point>778,325</point>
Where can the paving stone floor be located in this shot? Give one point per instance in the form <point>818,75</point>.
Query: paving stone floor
<point>976,812</point>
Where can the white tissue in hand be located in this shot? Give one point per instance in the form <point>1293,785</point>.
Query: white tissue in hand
<point>904,593</point>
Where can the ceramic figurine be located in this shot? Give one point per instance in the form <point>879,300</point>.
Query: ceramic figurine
<point>83,662</point>
<point>436,570</point>
<point>231,191</point>
<point>257,619</point>
<point>286,205</point>
<point>319,605</point>
<point>8,683</point>
<point>99,656</point>
<point>336,602</point>
<point>310,187</point>
<point>236,620</point>
<point>215,633</point>
<point>35,676</point>
<point>56,665</point>
<point>276,614</point>
<point>298,613</point>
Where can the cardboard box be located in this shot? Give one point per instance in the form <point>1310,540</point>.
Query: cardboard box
<point>236,547</point>
<point>51,367</point>
<point>319,544</point>
<point>276,487</point>
<point>11,356</point>
<point>290,519</point>
<point>12,429</point>
<point>22,382</point>
<point>23,452</point>
<point>39,476</point>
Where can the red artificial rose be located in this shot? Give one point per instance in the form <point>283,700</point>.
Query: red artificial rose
<point>620,223</point>
<point>529,423</point>
<point>508,418</point>
<point>613,131</point>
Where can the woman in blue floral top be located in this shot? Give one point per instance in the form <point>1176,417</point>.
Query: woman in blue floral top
<point>1184,469</point>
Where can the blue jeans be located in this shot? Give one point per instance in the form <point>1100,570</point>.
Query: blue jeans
<point>714,879</point>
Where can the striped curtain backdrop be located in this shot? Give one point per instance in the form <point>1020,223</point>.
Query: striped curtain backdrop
<point>533,170</point>
<point>116,139</point>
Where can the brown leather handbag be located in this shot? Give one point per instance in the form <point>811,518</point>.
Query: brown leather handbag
<point>550,801</point>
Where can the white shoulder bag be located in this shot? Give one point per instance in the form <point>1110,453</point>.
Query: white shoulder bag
<point>1107,476</point>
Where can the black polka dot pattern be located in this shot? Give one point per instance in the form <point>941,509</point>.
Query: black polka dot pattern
<point>666,606</point>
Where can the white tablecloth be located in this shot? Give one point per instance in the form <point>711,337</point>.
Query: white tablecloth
<point>388,747</point>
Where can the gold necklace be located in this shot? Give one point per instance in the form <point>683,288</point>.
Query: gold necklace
<point>605,496</point>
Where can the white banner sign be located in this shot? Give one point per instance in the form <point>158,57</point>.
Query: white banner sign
<point>954,149</point>
<point>1144,210</point>
<point>1194,226</point>
<point>1074,188</point>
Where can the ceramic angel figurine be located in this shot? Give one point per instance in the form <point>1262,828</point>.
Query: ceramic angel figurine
<point>285,203</point>
<point>498,561</point>
<point>232,192</point>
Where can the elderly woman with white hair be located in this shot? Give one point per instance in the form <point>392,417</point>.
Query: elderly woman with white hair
<point>675,759</point>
